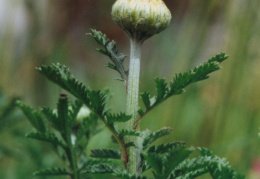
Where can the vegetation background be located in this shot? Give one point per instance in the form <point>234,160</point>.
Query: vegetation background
<point>221,113</point>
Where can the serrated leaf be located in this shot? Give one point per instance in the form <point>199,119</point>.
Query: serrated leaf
<point>205,152</point>
<point>111,66</point>
<point>98,169</point>
<point>51,172</point>
<point>125,132</point>
<point>217,167</point>
<point>192,174</point>
<point>164,148</point>
<point>207,163</point>
<point>110,49</point>
<point>34,116</point>
<point>75,108</point>
<point>199,73</point>
<point>46,137</point>
<point>174,158</point>
<point>156,163</point>
<point>123,174</point>
<point>163,162</point>
<point>153,136</point>
<point>161,89</point>
<point>146,100</point>
<point>218,58</point>
<point>180,82</point>
<point>105,154</point>
<point>61,75</point>
<point>97,101</point>
<point>120,117</point>
<point>51,116</point>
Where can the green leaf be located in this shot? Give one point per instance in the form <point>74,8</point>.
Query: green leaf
<point>34,116</point>
<point>123,174</point>
<point>164,148</point>
<point>105,153</point>
<point>207,163</point>
<point>163,162</point>
<point>120,117</point>
<point>125,132</point>
<point>198,166</point>
<point>89,162</point>
<point>153,136</point>
<point>97,101</point>
<point>52,172</point>
<point>97,169</point>
<point>192,174</point>
<point>156,162</point>
<point>218,58</point>
<point>146,99</point>
<point>51,116</point>
<point>7,108</point>
<point>110,49</point>
<point>161,89</point>
<point>201,72</point>
<point>61,75</point>
<point>46,137</point>
<point>175,157</point>
<point>181,81</point>
<point>75,108</point>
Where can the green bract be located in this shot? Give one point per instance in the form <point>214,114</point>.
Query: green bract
<point>141,19</point>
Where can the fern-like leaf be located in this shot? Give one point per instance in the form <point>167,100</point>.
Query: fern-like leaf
<point>122,174</point>
<point>110,49</point>
<point>105,154</point>
<point>161,89</point>
<point>125,132</point>
<point>120,117</point>
<point>180,82</point>
<point>52,172</point>
<point>162,163</point>
<point>164,148</point>
<point>217,167</point>
<point>75,108</point>
<point>61,75</point>
<point>52,117</point>
<point>46,137</point>
<point>97,169</point>
<point>151,137</point>
<point>34,116</point>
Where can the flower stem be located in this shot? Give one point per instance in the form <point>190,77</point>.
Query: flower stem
<point>132,101</point>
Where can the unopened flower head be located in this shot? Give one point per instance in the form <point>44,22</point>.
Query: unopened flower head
<point>141,19</point>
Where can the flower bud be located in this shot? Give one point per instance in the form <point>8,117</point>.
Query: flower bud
<point>141,19</point>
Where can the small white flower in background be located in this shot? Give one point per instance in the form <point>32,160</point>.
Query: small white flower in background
<point>73,139</point>
<point>83,113</point>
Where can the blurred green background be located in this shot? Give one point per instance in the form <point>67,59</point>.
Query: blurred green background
<point>222,113</point>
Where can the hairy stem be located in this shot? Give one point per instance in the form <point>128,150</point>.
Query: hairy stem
<point>132,101</point>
